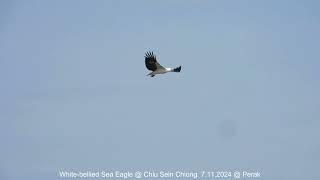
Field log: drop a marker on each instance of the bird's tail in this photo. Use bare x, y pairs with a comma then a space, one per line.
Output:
177, 69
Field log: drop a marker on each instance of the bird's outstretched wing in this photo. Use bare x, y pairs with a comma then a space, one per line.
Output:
151, 62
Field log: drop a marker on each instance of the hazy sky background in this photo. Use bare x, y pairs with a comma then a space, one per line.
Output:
75, 95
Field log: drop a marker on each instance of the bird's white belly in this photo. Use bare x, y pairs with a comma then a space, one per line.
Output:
160, 71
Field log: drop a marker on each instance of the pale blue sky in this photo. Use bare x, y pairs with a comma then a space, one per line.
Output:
75, 95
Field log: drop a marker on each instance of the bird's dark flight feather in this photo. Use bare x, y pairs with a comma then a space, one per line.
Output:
151, 61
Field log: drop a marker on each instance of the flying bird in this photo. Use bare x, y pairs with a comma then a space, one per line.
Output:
153, 65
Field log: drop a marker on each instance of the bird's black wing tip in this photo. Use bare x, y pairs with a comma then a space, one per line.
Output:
149, 54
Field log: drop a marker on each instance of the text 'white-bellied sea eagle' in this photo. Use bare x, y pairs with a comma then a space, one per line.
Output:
155, 67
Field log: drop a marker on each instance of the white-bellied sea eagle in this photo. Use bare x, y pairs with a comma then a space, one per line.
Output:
155, 67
